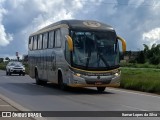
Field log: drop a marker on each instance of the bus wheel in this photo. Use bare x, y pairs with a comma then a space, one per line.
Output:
101, 89
60, 82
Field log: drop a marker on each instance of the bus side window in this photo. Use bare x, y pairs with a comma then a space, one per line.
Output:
51, 39
67, 53
35, 43
40, 41
30, 44
45, 40
57, 38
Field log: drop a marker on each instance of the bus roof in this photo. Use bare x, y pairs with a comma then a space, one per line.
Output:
77, 24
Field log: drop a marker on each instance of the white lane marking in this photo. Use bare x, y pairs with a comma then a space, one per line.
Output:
114, 89
135, 108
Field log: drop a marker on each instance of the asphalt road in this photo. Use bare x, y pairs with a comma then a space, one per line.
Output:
24, 91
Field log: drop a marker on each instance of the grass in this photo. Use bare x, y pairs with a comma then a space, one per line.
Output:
3, 66
135, 65
147, 80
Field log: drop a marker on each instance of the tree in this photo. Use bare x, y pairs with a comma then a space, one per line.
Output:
7, 58
1, 60
141, 57
152, 55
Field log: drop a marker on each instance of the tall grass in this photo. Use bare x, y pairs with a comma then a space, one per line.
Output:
147, 80
135, 65
3, 66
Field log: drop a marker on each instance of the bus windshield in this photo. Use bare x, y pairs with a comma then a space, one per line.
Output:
95, 49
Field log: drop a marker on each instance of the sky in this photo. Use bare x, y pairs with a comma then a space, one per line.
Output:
137, 21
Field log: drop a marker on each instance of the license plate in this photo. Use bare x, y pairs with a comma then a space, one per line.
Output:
98, 83
17, 70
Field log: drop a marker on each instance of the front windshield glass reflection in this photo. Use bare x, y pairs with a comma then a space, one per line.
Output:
95, 49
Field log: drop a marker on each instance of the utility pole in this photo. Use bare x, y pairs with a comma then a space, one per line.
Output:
17, 56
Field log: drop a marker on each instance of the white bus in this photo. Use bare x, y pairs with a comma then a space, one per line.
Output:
76, 53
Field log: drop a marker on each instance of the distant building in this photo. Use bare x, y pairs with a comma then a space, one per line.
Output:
130, 55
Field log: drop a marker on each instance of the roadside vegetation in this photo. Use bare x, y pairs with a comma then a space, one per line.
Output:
147, 80
3, 65
143, 72
138, 65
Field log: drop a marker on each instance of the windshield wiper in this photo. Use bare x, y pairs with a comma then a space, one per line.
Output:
102, 58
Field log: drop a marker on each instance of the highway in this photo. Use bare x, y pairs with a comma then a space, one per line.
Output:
24, 91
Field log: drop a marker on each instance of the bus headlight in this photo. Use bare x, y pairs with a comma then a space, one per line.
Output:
116, 74
77, 74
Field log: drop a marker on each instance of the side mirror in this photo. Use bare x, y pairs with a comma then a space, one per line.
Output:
123, 43
70, 42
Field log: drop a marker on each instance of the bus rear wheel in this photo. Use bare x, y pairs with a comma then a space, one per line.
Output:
38, 81
101, 89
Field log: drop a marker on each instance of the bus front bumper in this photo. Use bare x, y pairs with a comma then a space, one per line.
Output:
95, 81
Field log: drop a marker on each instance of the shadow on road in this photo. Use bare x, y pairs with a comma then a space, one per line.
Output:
48, 89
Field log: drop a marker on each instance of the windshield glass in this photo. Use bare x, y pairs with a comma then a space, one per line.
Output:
94, 50
15, 64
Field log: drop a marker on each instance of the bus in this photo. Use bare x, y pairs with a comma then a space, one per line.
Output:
76, 53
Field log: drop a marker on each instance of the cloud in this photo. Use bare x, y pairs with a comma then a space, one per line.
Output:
22, 17
132, 19
5, 38
151, 37
136, 3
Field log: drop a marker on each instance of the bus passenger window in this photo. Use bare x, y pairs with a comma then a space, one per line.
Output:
45, 40
57, 38
35, 43
30, 44
40, 41
51, 39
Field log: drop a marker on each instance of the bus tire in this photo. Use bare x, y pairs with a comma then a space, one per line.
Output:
101, 89
60, 82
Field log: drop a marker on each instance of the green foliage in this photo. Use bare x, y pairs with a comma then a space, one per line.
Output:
1, 60
135, 65
141, 57
3, 66
147, 80
152, 55
7, 58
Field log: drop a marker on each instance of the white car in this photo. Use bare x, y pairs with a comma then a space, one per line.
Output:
15, 68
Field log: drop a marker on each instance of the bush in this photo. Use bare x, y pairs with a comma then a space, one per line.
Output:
3, 66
